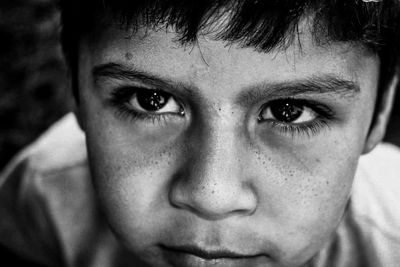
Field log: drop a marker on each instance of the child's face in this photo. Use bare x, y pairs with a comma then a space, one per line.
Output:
234, 157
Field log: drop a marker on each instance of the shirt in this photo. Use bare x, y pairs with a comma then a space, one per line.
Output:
49, 212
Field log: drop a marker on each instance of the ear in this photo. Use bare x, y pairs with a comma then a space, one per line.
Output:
379, 124
79, 116
77, 106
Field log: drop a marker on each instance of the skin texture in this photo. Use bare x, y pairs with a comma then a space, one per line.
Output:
217, 178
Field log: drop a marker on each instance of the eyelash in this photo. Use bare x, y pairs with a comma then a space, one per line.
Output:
309, 129
126, 113
120, 96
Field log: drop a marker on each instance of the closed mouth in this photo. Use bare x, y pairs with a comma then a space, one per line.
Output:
195, 256
207, 254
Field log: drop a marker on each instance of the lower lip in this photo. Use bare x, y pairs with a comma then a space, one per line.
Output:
184, 259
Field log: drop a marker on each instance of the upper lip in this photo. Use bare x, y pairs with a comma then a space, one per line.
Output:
207, 254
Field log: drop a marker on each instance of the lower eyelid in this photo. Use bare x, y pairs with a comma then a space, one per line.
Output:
126, 113
133, 116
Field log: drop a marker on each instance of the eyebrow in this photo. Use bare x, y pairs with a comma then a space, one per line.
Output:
318, 84
328, 84
120, 72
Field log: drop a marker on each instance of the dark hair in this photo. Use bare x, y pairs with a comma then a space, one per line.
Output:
262, 24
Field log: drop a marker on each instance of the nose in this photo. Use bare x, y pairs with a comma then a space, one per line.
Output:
212, 181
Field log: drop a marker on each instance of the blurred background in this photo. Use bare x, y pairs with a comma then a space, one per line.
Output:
33, 84
33, 90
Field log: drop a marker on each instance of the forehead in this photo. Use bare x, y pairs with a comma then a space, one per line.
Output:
158, 51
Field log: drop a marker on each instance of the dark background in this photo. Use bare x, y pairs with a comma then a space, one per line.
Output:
33, 90
33, 84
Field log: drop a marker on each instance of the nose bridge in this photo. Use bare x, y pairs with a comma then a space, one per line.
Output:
219, 149
216, 167
213, 183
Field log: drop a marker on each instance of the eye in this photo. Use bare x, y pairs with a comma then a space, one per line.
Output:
288, 111
148, 105
153, 101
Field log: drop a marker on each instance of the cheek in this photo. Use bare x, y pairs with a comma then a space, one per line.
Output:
131, 175
303, 191
133, 190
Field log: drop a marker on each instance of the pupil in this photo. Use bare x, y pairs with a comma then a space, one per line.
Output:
152, 100
286, 112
